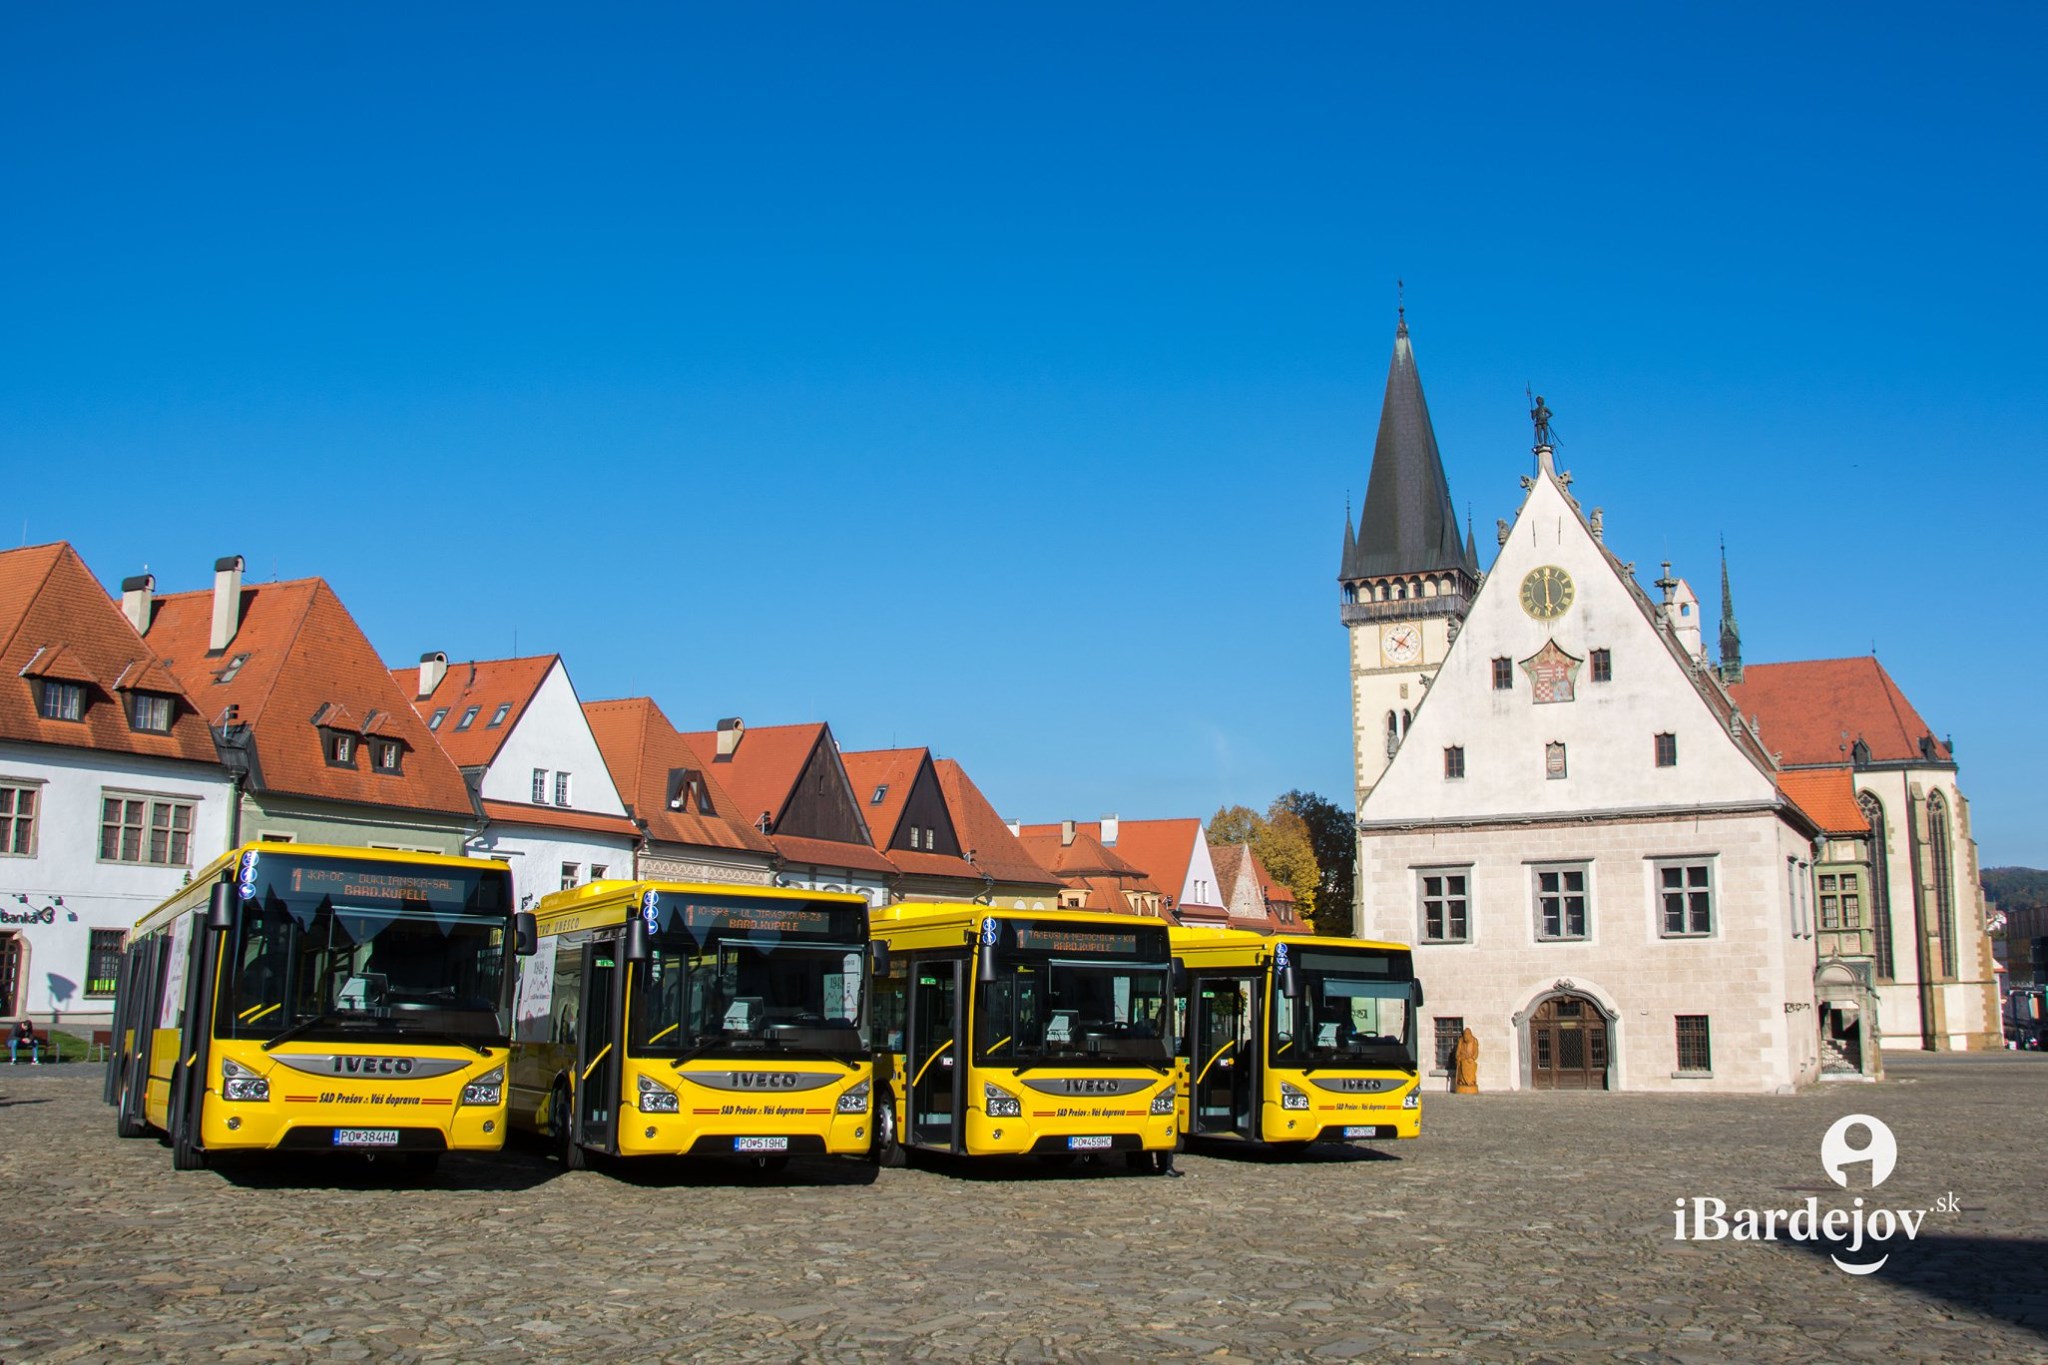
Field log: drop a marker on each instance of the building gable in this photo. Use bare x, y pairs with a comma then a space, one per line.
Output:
551, 735
1600, 738
820, 804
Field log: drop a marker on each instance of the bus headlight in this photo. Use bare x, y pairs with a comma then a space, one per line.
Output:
1412, 1100
1164, 1101
1000, 1103
656, 1098
487, 1089
1292, 1096
238, 1082
855, 1099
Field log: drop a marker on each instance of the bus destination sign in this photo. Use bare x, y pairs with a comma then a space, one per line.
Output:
356, 885
1061, 938
762, 918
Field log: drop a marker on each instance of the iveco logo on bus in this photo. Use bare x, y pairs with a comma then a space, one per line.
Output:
766, 1080
1089, 1085
373, 1066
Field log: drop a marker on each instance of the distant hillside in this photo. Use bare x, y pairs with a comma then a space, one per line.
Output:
2016, 888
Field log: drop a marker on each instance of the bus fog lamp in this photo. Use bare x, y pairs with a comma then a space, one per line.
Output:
656, 1098
1164, 1101
1292, 1096
855, 1099
487, 1089
238, 1082
1000, 1103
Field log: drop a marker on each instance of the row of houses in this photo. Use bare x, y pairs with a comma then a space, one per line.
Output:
141, 737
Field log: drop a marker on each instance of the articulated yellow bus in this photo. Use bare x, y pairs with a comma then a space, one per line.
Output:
1296, 1039
1007, 1032
304, 998
672, 1019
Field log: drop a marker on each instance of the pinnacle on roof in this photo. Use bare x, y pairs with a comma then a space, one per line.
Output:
1408, 525
1731, 634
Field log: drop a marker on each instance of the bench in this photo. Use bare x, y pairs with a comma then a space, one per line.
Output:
35, 1045
103, 1041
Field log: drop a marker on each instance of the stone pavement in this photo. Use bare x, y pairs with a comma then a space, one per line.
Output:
1520, 1227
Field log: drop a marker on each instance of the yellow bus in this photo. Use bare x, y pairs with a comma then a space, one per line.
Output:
1043, 1033
1293, 1039
296, 997
674, 1019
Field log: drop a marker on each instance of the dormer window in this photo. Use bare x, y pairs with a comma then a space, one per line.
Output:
341, 749
498, 716
386, 755
60, 700
440, 714
468, 718
151, 712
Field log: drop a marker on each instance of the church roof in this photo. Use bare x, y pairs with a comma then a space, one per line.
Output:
1408, 524
1813, 712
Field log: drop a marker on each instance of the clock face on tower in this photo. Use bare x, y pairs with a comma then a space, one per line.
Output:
1547, 592
1402, 644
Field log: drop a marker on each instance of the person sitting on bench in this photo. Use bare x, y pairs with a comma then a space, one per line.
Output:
24, 1034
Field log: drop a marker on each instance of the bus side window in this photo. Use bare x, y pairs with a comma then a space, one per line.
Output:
889, 1007
568, 986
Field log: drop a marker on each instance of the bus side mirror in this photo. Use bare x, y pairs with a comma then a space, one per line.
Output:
220, 908
525, 934
878, 959
1177, 976
1290, 982
1418, 993
636, 940
985, 959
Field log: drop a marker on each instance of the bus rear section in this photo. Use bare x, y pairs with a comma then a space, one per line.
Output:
313, 999
680, 1020
1296, 1039
1012, 1034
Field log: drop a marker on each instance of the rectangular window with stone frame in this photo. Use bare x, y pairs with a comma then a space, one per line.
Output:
143, 829
1563, 902
1685, 898
18, 819
1603, 666
1454, 762
1503, 675
1448, 1032
1446, 904
1667, 750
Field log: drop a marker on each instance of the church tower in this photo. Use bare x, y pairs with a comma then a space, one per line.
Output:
1407, 578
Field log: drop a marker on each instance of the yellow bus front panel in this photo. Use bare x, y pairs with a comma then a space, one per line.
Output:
410, 1099
1339, 1107
1123, 1111
815, 1108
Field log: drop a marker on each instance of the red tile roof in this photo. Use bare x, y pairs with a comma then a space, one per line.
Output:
641, 748
1828, 796
1813, 712
762, 772
983, 832
1162, 848
832, 853
302, 651
554, 817
57, 621
486, 685
893, 769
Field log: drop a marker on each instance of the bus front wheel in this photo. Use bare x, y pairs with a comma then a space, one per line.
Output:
567, 1148
888, 1152
186, 1155
128, 1122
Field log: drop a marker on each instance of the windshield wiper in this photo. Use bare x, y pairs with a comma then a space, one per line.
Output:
443, 1036
305, 1026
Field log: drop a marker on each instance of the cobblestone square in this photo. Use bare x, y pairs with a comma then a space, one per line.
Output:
1520, 1227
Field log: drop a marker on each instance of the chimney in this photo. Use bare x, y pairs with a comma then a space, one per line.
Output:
227, 603
730, 731
138, 595
433, 668
1016, 827
1066, 833
1109, 831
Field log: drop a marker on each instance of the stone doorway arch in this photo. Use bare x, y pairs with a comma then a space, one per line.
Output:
1567, 1042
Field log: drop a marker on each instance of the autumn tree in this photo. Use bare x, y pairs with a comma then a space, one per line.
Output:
1283, 843
1333, 838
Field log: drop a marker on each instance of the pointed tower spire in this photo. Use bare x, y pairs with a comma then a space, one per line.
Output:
1471, 543
1408, 524
1731, 634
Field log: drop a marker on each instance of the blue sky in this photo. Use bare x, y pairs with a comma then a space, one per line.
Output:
994, 378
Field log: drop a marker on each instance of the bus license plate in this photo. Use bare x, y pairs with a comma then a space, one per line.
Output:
1087, 1144
760, 1144
366, 1137
1364, 1132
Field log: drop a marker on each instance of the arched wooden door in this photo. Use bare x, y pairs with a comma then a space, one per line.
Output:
1568, 1045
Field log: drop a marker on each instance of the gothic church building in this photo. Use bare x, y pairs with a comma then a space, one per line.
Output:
1566, 810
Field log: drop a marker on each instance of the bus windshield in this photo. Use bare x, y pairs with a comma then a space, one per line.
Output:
747, 974
341, 948
1066, 994
1352, 1008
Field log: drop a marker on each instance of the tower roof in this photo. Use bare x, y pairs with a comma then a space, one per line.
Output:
1408, 525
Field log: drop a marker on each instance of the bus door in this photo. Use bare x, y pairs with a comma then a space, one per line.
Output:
932, 1052
597, 1057
1224, 1034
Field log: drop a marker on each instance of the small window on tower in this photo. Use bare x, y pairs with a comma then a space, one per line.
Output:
1503, 675
1603, 666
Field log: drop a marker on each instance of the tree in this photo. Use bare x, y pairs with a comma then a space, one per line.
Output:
1234, 825
1334, 839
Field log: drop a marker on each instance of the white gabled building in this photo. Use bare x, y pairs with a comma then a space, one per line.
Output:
1584, 840
518, 732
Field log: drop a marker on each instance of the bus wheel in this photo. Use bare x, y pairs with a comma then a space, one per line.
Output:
128, 1123
887, 1151
571, 1152
186, 1155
